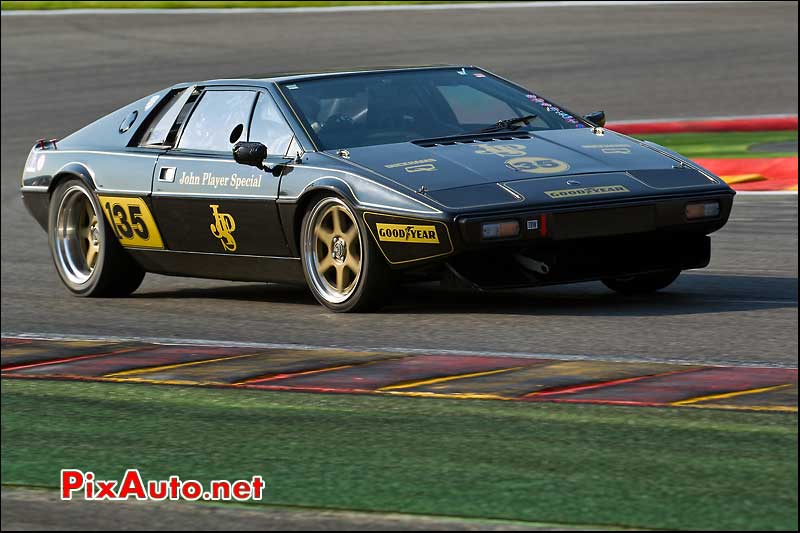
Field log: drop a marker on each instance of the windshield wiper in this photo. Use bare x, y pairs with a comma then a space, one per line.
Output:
508, 124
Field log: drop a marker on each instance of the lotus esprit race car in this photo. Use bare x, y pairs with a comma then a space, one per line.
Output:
351, 182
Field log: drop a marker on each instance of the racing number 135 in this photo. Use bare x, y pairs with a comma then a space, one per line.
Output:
131, 221
124, 228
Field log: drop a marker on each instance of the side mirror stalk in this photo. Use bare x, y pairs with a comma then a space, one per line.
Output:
598, 118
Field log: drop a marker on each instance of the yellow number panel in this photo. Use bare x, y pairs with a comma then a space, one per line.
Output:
131, 221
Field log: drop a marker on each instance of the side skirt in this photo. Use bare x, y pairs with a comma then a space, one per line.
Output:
220, 266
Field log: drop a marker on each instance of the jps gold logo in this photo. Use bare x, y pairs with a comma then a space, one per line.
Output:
503, 150
405, 233
223, 228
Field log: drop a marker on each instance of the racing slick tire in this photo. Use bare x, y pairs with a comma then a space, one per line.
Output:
642, 283
342, 265
86, 253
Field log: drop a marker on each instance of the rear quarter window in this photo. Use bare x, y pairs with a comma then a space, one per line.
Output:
161, 125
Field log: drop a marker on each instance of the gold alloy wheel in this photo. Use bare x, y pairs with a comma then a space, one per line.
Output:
89, 239
77, 239
334, 251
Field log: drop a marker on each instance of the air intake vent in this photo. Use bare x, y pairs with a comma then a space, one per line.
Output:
468, 139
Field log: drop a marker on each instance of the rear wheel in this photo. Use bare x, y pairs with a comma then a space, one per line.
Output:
87, 255
642, 283
342, 265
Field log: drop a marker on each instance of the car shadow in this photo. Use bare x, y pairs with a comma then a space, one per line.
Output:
693, 293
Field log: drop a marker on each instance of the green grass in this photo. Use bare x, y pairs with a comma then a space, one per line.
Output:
661, 468
184, 5
722, 145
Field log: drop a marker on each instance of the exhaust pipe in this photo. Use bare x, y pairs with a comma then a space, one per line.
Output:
532, 264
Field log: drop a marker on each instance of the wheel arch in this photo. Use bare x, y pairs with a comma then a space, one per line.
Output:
38, 202
322, 187
72, 170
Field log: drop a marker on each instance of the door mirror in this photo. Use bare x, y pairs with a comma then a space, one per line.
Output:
250, 153
598, 118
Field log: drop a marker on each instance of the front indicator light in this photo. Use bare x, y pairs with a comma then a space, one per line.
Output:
702, 210
500, 230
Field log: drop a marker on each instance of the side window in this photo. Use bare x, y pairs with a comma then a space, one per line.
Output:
161, 125
269, 128
472, 106
218, 121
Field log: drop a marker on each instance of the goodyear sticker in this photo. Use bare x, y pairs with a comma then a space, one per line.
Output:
404, 233
587, 191
404, 239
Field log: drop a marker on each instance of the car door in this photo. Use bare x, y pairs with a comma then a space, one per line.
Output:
204, 200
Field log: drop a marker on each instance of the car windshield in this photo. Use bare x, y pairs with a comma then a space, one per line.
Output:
376, 108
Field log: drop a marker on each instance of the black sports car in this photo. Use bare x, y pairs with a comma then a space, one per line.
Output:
351, 182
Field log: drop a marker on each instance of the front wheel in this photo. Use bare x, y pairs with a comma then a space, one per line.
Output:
87, 255
342, 265
642, 283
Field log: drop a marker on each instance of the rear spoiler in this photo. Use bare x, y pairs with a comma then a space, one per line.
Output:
42, 144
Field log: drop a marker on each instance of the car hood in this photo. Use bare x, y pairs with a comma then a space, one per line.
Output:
507, 158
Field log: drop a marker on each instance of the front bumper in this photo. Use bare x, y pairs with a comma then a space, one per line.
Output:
587, 242
636, 217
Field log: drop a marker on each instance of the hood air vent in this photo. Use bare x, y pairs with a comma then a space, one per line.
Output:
467, 139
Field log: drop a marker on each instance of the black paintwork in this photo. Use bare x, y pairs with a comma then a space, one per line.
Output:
258, 233
474, 179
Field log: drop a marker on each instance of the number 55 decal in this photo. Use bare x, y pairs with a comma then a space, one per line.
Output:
131, 221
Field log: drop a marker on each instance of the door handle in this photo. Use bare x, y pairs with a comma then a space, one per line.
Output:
166, 174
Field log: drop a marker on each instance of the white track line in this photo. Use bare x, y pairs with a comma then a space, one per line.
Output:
766, 193
744, 272
409, 351
351, 9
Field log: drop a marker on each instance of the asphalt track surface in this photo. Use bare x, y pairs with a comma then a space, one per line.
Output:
59, 73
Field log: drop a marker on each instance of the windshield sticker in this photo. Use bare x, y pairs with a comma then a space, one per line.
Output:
554, 109
421, 165
537, 165
291, 87
587, 191
503, 150
610, 148
479, 75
